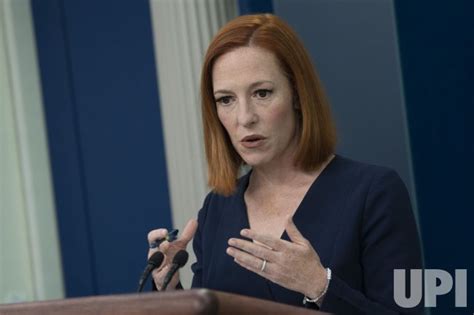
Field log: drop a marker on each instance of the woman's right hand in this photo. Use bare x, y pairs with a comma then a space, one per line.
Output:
169, 249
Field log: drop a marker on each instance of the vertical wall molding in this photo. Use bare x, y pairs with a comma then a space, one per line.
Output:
182, 31
30, 259
406, 130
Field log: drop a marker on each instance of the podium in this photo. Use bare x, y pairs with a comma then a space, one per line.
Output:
183, 302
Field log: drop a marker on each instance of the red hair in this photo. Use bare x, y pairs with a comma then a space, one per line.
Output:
316, 132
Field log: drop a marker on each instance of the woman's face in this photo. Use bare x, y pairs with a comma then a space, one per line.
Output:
254, 104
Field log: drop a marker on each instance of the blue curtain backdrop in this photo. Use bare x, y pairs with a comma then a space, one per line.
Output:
436, 41
104, 130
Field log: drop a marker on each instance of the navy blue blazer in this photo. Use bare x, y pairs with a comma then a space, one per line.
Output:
357, 217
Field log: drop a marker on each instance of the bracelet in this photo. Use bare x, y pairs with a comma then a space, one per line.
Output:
315, 300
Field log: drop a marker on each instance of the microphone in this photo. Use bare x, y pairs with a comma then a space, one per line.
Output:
155, 261
179, 260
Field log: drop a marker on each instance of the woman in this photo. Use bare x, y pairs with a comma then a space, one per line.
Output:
304, 223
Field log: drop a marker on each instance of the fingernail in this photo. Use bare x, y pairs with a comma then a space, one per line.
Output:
231, 241
244, 232
229, 250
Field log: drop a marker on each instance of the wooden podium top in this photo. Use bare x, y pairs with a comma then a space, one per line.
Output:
183, 302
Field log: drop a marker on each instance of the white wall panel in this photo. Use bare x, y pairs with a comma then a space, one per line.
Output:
182, 32
30, 267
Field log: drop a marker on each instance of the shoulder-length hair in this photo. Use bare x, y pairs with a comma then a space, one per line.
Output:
316, 131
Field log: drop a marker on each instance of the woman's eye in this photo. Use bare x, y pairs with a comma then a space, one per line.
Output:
224, 100
263, 93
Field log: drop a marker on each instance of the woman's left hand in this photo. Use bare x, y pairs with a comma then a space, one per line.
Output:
294, 265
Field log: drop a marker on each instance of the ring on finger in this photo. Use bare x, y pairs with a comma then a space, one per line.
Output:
264, 264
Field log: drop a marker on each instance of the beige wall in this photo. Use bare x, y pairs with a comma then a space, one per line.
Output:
30, 267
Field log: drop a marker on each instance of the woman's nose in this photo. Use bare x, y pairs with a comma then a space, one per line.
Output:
246, 115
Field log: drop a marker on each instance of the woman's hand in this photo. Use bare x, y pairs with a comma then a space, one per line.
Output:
169, 249
294, 265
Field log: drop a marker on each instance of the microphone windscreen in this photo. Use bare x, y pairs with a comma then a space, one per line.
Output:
156, 259
181, 258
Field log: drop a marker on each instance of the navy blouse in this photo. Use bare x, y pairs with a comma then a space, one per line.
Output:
357, 217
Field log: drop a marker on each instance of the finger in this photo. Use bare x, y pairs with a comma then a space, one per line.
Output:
254, 264
270, 241
246, 259
157, 234
164, 246
293, 232
188, 233
253, 269
153, 236
253, 248
159, 276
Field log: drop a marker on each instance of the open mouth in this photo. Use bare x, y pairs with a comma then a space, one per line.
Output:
252, 141
253, 138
